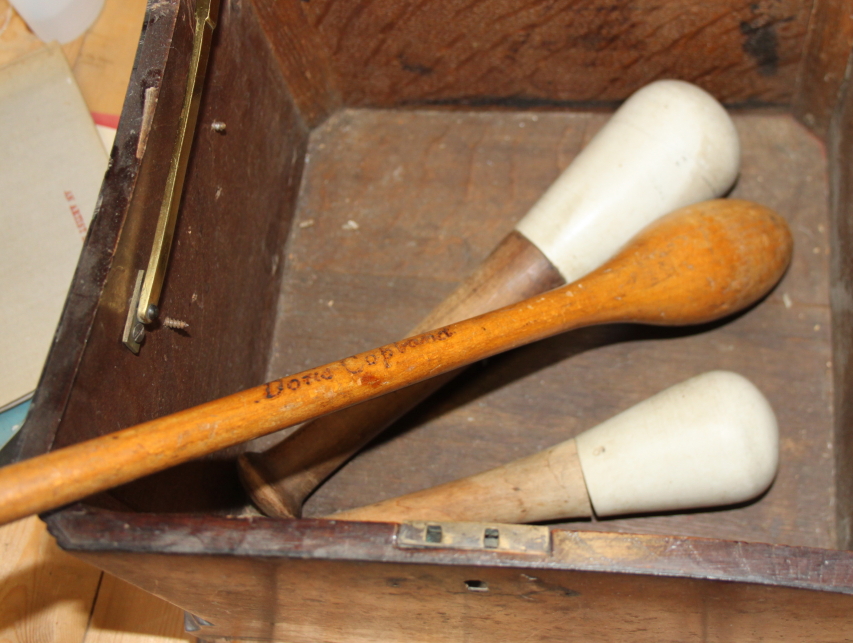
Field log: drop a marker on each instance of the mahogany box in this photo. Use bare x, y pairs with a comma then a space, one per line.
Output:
372, 153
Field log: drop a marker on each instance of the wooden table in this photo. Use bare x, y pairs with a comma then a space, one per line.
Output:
47, 595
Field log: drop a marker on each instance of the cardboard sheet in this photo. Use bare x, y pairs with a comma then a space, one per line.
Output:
52, 162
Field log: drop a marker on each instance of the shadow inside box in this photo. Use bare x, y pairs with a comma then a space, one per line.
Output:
207, 486
487, 376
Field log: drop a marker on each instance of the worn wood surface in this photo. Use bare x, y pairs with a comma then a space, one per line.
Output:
280, 479
597, 587
224, 270
501, 52
431, 192
545, 486
841, 276
343, 602
824, 62
302, 57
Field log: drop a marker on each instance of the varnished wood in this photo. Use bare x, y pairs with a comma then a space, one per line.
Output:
125, 613
302, 58
364, 587
281, 478
694, 266
841, 275
545, 486
824, 64
499, 52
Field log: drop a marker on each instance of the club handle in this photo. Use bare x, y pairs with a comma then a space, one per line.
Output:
544, 486
669, 145
709, 441
694, 266
279, 479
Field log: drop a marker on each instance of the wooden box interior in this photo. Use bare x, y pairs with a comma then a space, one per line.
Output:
374, 154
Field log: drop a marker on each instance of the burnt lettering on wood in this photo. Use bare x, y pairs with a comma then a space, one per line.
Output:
356, 364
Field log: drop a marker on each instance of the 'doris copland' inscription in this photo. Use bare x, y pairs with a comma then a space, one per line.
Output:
276, 388
382, 357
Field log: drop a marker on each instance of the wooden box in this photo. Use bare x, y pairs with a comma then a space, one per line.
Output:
373, 154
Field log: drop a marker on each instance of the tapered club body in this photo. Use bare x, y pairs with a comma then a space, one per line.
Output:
670, 145
712, 440
693, 266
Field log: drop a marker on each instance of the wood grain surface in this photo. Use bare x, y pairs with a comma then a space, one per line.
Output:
280, 479
841, 276
545, 486
431, 192
302, 58
824, 63
501, 52
598, 587
50, 596
357, 602
46, 594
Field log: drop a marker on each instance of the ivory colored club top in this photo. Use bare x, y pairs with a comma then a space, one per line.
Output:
711, 440
669, 145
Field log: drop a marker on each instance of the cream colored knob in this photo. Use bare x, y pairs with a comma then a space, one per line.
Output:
712, 440
669, 145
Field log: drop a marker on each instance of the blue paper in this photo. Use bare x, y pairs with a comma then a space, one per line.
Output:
11, 421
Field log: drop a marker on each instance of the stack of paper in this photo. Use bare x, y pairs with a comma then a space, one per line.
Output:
52, 162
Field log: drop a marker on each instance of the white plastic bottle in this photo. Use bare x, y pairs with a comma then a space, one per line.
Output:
60, 20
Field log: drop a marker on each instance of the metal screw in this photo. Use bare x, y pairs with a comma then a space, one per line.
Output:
152, 313
218, 126
175, 324
138, 332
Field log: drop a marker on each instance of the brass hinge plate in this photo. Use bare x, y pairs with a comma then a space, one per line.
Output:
516, 539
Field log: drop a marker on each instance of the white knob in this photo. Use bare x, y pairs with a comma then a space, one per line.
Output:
712, 440
669, 145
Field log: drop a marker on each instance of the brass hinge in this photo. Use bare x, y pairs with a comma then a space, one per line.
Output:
145, 300
516, 539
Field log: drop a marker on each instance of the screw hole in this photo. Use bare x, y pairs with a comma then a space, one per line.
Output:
477, 585
491, 538
433, 533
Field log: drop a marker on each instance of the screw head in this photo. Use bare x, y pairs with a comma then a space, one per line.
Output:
152, 313
138, 332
